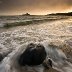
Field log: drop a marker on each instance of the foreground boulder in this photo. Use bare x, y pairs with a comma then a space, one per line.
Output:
34, 55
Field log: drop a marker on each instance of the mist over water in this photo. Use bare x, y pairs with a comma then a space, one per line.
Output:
56, 36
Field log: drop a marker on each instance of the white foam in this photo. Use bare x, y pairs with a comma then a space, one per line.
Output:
43, 33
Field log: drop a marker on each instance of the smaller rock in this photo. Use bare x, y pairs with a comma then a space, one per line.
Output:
1, 57
47, 64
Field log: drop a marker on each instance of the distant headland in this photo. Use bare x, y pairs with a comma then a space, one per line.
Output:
27, 14
62, 14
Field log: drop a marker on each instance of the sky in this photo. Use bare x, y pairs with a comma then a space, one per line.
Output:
34, 7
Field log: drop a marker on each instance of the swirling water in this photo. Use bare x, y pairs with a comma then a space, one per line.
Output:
56, 36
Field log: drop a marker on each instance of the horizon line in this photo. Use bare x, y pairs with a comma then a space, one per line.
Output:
31, 14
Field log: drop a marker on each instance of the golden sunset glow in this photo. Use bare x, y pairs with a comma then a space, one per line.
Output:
38, 7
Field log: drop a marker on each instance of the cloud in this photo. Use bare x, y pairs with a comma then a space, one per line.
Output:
0, 2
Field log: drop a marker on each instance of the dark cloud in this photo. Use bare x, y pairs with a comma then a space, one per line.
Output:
13, 6
0, 2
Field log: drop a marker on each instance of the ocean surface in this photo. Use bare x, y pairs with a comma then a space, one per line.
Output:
56, 36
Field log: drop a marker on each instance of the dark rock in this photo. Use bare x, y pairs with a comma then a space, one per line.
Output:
47, 64
1, 57
34, 54
50, 62
4, 54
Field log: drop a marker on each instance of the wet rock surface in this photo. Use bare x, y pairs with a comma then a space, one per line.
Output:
1, 57
34, 55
